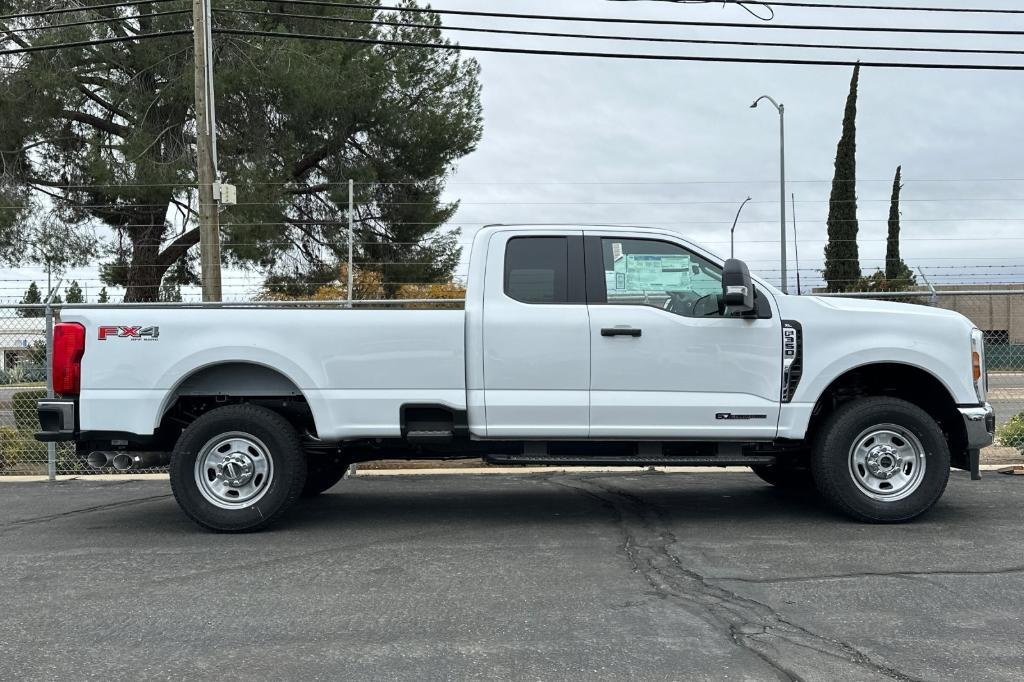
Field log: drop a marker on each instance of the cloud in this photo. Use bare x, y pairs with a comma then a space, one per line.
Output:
674, 143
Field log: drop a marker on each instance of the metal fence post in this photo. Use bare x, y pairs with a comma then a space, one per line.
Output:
933, 300
51, 448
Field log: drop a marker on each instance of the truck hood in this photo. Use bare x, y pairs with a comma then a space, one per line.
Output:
867, 305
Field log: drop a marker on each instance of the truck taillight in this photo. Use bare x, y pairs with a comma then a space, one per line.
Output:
68, 347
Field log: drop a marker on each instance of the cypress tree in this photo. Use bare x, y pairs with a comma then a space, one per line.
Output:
32, 295
842, 261
896, 271
74, 293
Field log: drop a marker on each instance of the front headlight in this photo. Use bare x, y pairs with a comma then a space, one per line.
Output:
978, 372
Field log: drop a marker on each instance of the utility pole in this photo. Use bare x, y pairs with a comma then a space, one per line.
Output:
206, 153
351, 237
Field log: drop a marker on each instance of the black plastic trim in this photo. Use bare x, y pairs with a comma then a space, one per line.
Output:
791, 375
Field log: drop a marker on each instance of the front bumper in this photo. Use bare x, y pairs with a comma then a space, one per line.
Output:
980, 425
56, 420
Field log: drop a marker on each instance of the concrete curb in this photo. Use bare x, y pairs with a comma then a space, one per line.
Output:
471, 471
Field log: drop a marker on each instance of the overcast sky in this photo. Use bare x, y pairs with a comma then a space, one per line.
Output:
676, 144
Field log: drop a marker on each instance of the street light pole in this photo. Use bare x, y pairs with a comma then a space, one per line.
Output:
796, 247
732, 232
782, 182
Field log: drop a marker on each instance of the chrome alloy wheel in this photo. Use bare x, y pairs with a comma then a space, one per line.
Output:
234, 470
887, 462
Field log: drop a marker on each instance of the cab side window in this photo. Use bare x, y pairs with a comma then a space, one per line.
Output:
537, 269
661, 274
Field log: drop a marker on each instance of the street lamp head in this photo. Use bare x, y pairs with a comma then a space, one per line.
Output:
754, 105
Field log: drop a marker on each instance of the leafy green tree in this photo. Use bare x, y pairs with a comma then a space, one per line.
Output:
32, 295
103, 297
107, 132
170, 293
896, 271
73, 294
842, 260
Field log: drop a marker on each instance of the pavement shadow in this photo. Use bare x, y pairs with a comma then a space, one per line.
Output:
676, 497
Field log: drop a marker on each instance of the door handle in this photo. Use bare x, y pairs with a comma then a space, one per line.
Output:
621, 331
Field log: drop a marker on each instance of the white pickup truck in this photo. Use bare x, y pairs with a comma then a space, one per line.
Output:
576, 345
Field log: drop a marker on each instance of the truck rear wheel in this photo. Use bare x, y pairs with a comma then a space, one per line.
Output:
881, 460
237, 468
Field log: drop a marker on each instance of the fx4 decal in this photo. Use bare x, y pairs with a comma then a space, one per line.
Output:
133, 333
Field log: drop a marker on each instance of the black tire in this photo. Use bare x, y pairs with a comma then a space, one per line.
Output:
276, 442
834, 472
323, 473
785, 476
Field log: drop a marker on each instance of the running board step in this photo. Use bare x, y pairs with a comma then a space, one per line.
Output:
425, 437
634, 461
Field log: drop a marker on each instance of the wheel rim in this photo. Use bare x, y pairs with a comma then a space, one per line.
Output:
887, 462
234, 470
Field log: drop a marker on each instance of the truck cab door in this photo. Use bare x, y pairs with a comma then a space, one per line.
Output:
666, 361
536, 336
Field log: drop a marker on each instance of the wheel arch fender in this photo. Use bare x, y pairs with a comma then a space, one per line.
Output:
812, 390
238, 371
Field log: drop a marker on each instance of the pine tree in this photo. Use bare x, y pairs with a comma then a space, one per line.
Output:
32, 295
74, 293
108, 132
103, 297
842, 260
896, 271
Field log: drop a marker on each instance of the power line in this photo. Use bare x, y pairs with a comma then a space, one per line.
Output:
651, 22
591, 36
90, 22
99, 41
828, 5
620, 55
86, 8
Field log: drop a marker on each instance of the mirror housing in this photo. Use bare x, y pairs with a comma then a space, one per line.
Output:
737, 287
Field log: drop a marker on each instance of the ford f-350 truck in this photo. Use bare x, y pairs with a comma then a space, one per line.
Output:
576, 345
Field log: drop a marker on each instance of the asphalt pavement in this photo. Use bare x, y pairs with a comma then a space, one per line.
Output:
554, 576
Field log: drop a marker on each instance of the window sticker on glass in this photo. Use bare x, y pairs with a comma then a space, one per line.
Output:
643, 272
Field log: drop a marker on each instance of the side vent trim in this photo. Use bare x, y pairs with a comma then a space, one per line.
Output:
792, 358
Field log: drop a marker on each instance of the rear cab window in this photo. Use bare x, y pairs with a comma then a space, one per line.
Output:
544, 270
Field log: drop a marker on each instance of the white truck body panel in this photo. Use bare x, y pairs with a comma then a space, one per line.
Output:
536, 359
354, 367
522, 371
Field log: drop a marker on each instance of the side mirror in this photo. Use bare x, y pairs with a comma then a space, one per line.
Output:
737, 288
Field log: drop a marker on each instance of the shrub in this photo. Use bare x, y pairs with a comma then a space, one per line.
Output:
19, 448
1011, 434
23, 404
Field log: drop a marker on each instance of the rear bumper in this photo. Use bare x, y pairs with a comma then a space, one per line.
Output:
57, 420
980, 425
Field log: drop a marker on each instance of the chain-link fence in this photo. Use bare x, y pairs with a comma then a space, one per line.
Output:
23, 342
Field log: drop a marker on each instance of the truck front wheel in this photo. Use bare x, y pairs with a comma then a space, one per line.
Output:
237, 468
880, 460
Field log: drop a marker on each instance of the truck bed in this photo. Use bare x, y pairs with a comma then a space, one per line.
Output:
354, 367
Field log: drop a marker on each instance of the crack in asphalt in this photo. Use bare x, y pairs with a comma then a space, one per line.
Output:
870, 574
751, 625
82, 510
